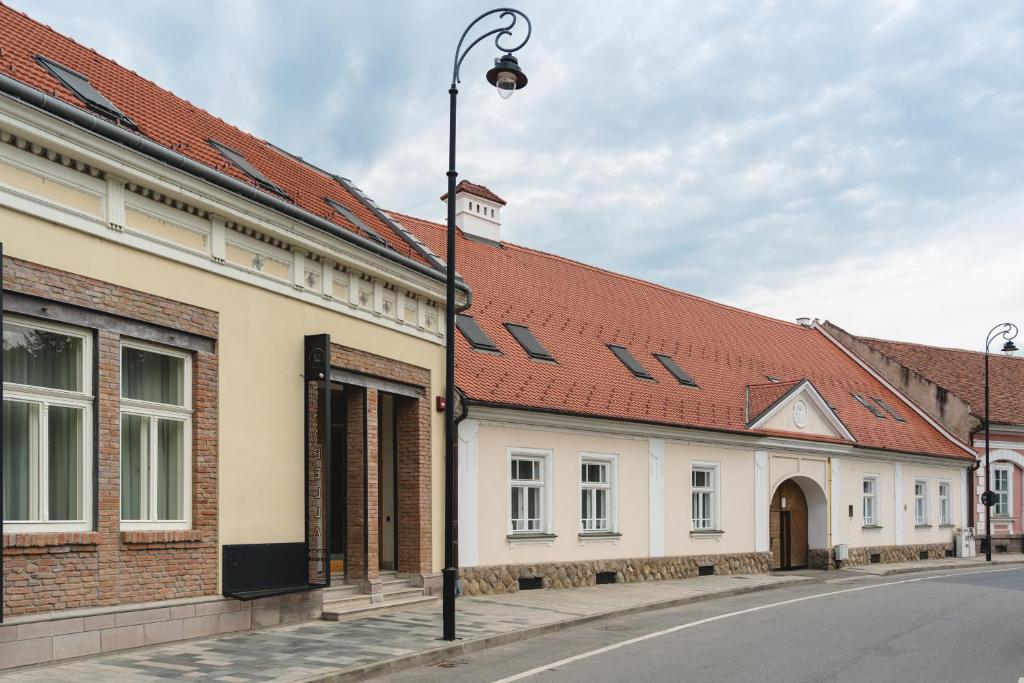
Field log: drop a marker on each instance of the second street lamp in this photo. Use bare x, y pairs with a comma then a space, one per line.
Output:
507, 77
1007, 331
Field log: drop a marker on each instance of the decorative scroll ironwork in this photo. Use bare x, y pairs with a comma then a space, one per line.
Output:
318, 452
501, 32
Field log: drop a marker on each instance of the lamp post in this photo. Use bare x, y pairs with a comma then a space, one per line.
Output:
1007, 331
507, 77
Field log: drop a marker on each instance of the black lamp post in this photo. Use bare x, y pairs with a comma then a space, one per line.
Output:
507, 77
1007, 331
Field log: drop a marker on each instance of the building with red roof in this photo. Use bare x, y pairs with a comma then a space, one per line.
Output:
618, 419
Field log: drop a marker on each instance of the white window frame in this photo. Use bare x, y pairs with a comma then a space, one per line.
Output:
160, 411
923, 500
715, 523
46, 397
1003, 467
875, 519
946, 516
544, 457
611, 461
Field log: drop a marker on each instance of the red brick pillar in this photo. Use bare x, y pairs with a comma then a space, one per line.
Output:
108, 489
414, 492
361, 551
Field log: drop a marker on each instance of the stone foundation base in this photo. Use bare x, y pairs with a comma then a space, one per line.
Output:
505, 578
55, 636
1002, 544
896, 553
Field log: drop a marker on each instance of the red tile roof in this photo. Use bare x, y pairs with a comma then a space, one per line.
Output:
763, 396
477, 191
963, 373
575, 310
176, 123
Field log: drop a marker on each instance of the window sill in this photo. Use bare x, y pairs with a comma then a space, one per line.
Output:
160, 537
531, 539
706, 533
922, 526
872, 527
48, 539
600, 537
947, 526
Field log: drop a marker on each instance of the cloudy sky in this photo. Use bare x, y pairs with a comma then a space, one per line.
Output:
855, 161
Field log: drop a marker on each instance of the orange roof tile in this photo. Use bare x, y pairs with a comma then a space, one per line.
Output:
476, 190
575, 310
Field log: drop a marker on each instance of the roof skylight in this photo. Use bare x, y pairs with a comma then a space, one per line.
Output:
355, 220
80, 86
676, 371
530, 344
870, 406
889, 409
239, 161
623, 354
474, 334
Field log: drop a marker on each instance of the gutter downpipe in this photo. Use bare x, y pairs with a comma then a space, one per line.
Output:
139, 143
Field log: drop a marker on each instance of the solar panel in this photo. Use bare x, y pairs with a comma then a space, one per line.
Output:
239, 161
889, 409
84, 90
530, 344
867, 404
677, 372
474, 334
623, 354
355, 220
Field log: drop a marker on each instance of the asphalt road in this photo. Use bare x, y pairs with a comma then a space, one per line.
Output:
943, 626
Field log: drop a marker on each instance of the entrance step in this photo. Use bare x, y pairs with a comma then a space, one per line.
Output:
340, 590
339, 610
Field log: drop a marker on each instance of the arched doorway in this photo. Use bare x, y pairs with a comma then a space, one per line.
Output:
798, 521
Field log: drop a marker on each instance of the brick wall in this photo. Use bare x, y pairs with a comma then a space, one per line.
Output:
53, 571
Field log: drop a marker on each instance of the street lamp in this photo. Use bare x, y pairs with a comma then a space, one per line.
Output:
1007, 331
507, 77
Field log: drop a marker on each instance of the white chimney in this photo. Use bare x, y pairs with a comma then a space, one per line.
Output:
477, 210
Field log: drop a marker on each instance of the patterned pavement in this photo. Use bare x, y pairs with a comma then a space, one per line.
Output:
306, 651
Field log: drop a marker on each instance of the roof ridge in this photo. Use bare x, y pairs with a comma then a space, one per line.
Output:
632, 278
938, 348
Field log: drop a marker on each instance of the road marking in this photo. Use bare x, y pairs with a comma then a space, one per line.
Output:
729, 615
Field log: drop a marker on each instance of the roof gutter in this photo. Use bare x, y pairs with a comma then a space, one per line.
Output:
143, 145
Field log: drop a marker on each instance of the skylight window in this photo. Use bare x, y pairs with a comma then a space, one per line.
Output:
355, 220
239, 161
889, 409
474, 334
530, 344
676, 371
870, 406
80, 86
623, 354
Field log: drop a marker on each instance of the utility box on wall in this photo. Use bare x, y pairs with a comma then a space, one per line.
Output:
965, 546
841, 552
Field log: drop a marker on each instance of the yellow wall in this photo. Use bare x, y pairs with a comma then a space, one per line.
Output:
260, 354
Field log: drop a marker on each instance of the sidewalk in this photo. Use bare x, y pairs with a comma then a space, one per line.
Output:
388, 641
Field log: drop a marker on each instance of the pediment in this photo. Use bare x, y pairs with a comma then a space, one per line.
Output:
800, 409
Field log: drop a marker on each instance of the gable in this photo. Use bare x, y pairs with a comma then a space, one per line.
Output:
802, 410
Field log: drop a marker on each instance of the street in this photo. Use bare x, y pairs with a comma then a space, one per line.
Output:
943, 626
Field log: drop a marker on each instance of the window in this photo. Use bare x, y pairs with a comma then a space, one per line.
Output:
920, 502
84, 90
945, 507
704, 491
623, 354
676, 371
889, 409
356, 222
528, 494
530, 343
47, 436
1001, 487
155, 437
597, 494
870, 501
239, 161
474, 334
867, 404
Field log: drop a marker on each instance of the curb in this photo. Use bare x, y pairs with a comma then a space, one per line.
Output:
945, 566
431, 656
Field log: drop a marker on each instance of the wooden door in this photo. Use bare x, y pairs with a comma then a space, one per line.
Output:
788, 527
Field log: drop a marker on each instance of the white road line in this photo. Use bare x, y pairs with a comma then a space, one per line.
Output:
701, 622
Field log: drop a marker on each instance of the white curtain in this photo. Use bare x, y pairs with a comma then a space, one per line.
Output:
41, 358
134, 454
64, 466
20, 426
169, 469
153, 377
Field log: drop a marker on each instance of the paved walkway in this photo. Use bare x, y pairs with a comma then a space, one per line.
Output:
929, 565
314, 649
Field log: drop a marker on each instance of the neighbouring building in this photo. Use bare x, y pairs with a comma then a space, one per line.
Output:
949, 384
616, 430
220, 365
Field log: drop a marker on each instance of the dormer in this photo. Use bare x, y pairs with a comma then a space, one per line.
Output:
477, 210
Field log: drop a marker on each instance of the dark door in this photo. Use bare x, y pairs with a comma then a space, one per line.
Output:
788, 526
785, 539
339, 480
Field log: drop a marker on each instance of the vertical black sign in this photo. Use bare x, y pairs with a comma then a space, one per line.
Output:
317, 395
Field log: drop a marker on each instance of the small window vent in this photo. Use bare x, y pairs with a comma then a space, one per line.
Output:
531, 583
923, 555
889, 409
605, 577
876, 558
632, 364
706, 570
870, 406
474, 334
950, 552
530, 343
676, 371
238, 160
